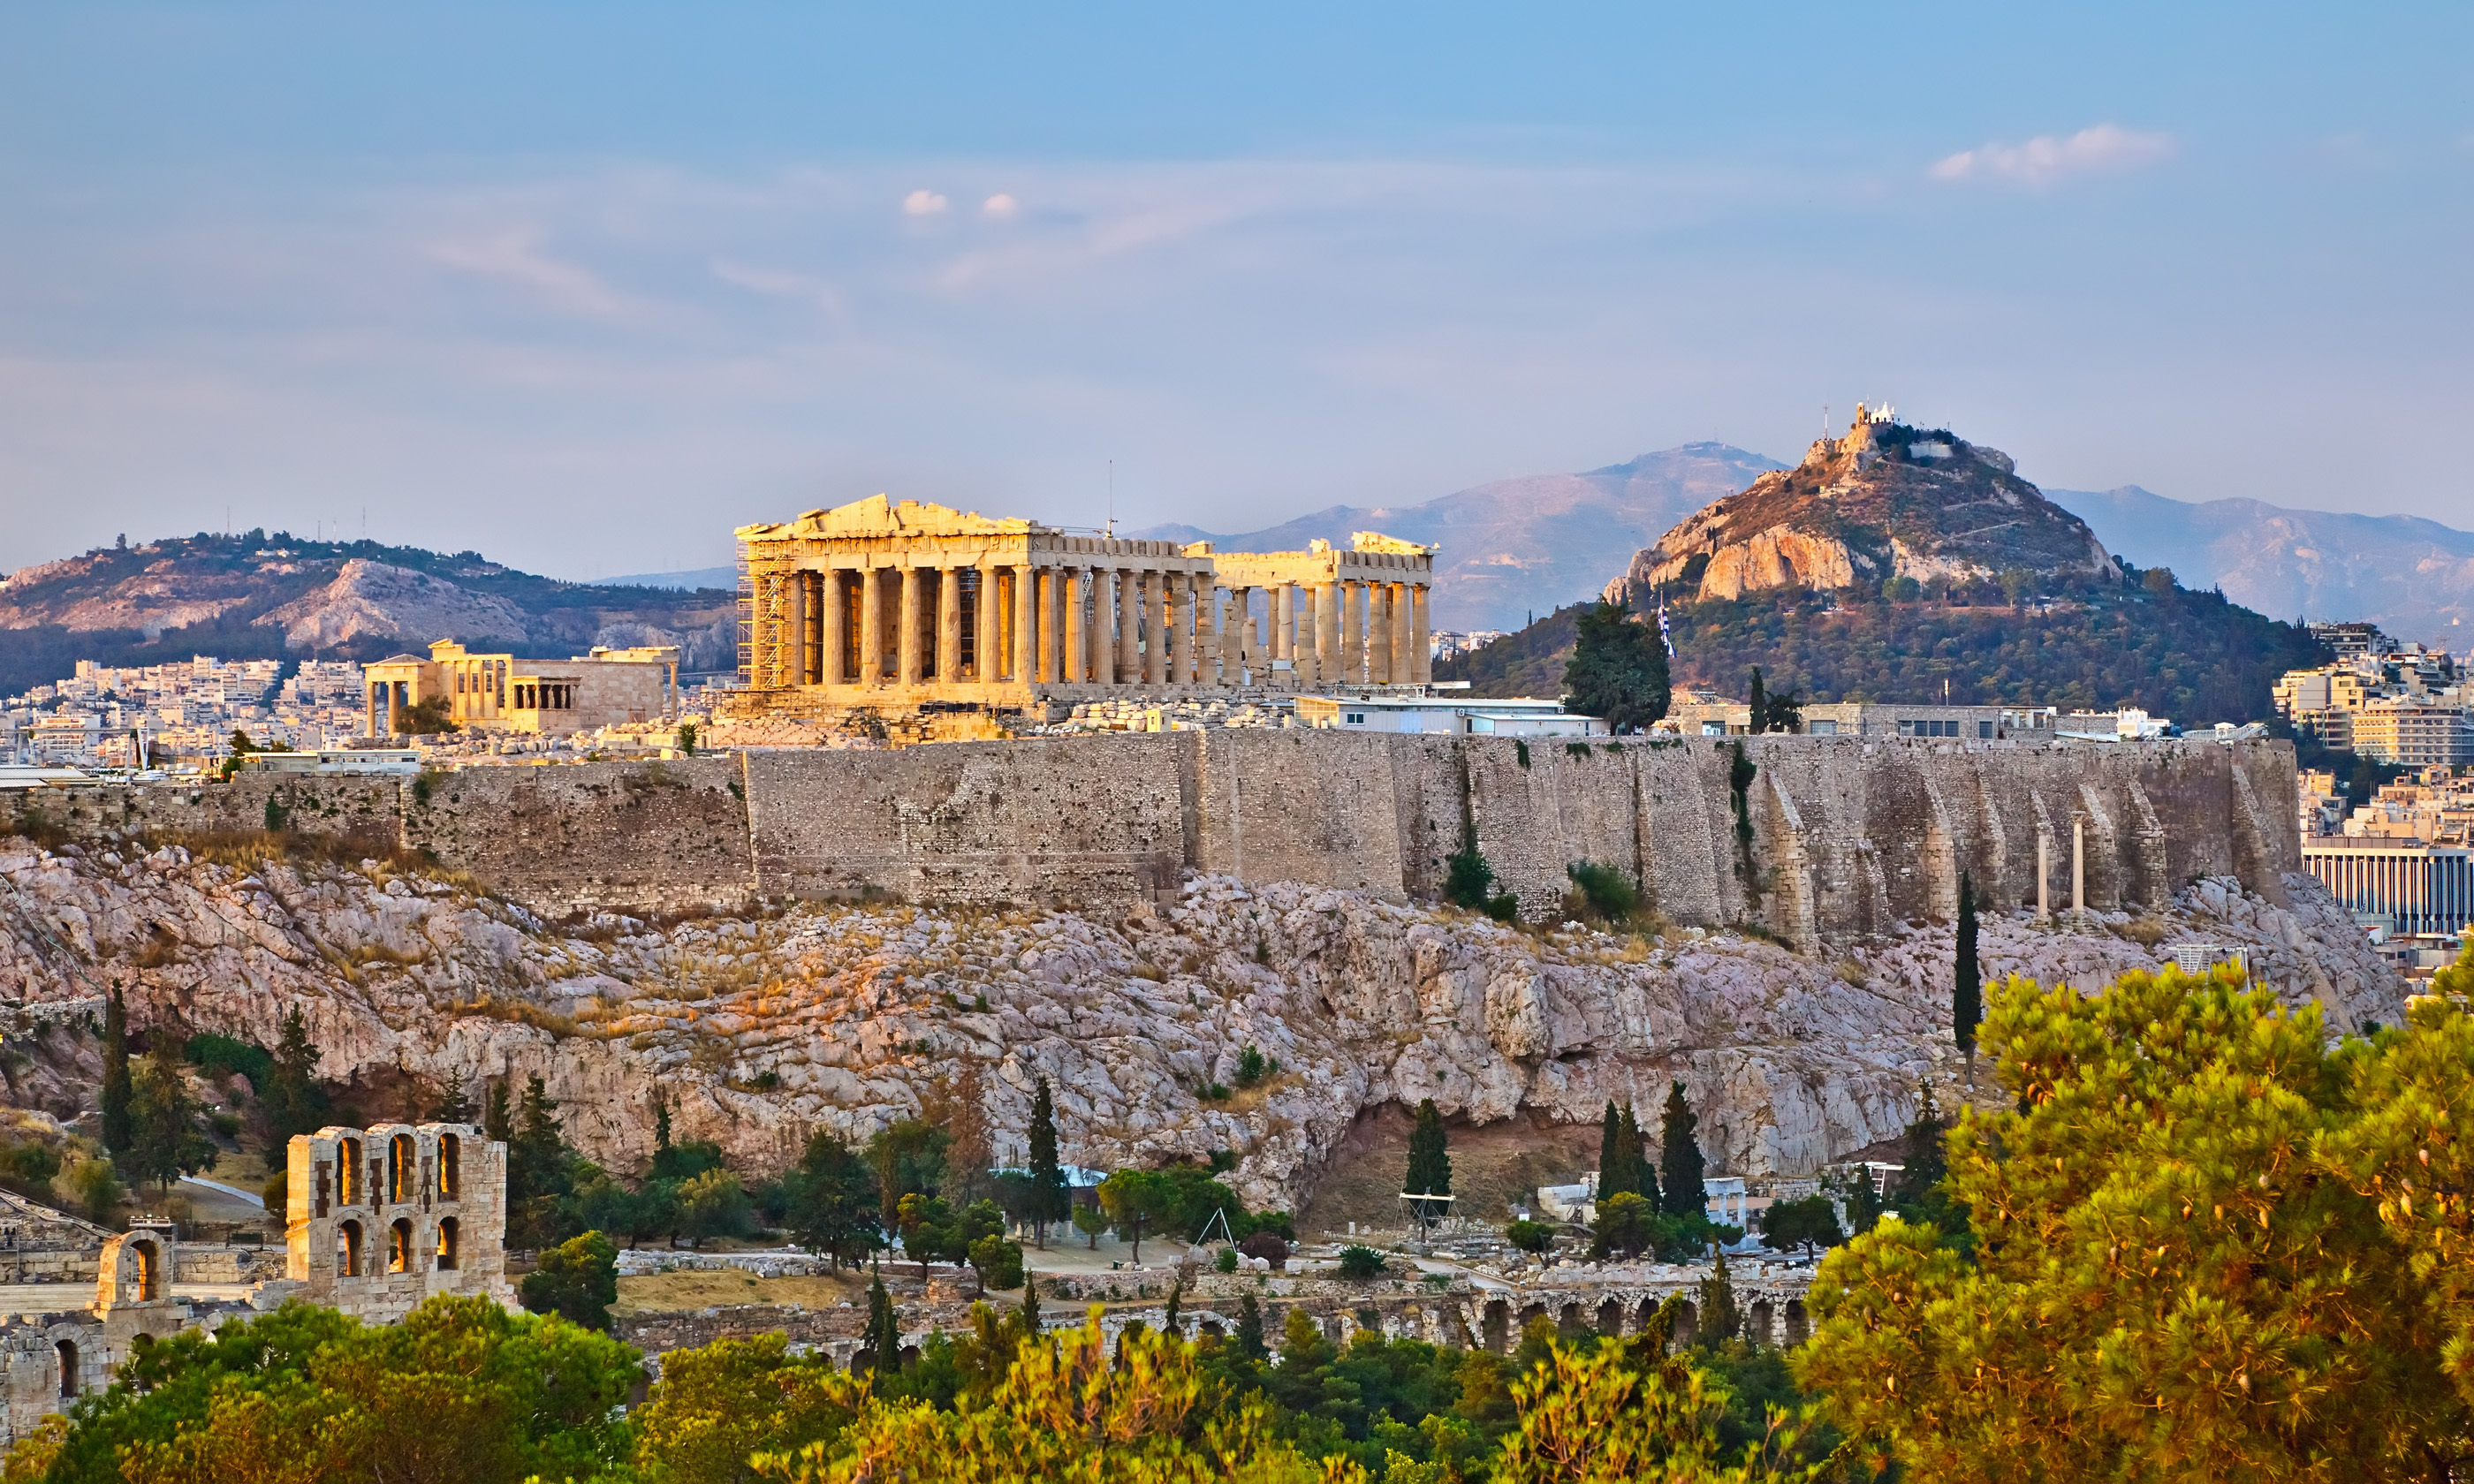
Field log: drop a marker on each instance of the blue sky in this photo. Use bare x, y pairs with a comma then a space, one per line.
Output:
583, 286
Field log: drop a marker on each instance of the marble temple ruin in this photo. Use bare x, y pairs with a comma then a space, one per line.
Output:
884, 605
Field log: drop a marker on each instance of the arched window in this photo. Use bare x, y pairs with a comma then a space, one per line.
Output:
402, 1184
148, 1273
446, 1244
348, 1250
68, 1368
451, 1166
400, 1246
348, 1174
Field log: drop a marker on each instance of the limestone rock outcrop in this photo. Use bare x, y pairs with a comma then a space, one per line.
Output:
761, 1028
1886, 500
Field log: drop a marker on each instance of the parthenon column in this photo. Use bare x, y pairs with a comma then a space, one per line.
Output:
1154, 629
1326, 627
1129, 616
1077, 634
1179, 611
1378, 634
1052, 613
871, 625
1422, 641
1352, 633
905, 644
1026, 624
949, 625
986, 661
1284, 608
1404, 657
836, 627
2078, 866
1104, 627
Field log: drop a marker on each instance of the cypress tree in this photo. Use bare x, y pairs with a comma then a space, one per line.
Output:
117, 1130
1760, 701
881, 1344
1967, 985
499, 1120
1430, 1161
1614, 1161
1644, 1175
292, 1101
1048, 1194
661, 1126
1681, 1194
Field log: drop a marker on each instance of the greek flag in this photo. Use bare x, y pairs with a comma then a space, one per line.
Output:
1664, 637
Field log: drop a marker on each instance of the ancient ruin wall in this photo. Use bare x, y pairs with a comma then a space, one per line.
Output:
1849, 836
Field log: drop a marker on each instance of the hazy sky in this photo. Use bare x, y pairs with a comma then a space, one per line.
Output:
582, 286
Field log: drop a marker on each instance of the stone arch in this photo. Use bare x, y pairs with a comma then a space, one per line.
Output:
347, 1172
148, 1277
399, 1245
1495, 1326
1569, 1324
403, 1182
1687, 1322
1799, 1327
348, 1249
446, 1244
68, 1354
1645, 1316
911, 1354
1610, 1318
1530, 1311
1757, 1326
451, 1166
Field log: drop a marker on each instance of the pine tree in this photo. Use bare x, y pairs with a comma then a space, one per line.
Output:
1614, 1161
454, 1106
1048, 1194
1681, 1191
293, 1104
164, 1143
498, 1121
1719, 1319
1250, 1327
661, 1126
1967, 985
1618, 670
115, 1073
881, 1344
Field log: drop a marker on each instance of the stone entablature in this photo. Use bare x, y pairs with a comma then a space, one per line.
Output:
880, 604
379, 1219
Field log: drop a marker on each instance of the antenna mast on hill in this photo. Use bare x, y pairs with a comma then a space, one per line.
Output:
1112, 497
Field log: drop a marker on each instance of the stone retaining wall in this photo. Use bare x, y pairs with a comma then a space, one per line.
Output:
1848, 835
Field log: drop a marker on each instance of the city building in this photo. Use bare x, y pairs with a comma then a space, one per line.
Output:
1701, 714
2403, 862
2414, 732
2407, 705
1446, 716
502, 693
878, 605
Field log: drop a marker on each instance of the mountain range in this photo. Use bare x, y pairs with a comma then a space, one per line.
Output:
1515, 548
2415, 578
257, 596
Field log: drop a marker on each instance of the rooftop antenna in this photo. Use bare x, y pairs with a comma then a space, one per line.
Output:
1112, 498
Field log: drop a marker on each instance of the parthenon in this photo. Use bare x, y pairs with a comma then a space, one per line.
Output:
881, 604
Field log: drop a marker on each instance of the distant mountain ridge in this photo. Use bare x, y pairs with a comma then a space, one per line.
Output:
2415, 578
1534, 542
260, 597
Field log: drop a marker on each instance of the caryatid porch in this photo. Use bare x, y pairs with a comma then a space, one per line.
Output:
877, 603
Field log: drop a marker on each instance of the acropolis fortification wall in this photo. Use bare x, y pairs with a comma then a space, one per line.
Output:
1848, 835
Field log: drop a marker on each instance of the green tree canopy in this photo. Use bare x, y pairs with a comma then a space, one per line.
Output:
833, 1204
2210, 1242
577, 1280
1618, 670
1681, 1192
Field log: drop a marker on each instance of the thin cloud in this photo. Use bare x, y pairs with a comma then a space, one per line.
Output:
2103, 149
776, 285
515, 257
924, 203
1001, 204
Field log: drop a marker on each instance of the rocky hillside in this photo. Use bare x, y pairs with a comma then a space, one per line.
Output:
2414, 578
1886, 501
759, 1029
260, 596
1519, 546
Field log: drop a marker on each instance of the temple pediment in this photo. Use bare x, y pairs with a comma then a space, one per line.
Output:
879, 516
